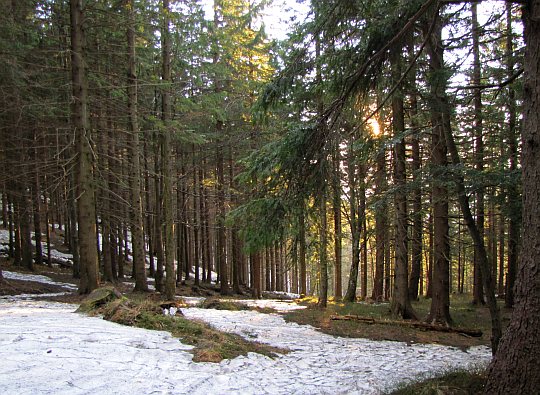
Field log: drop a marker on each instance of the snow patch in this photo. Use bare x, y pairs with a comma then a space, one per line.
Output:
46, 348
38, 278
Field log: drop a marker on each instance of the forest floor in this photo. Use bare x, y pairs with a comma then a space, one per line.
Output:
463, 312
47, 349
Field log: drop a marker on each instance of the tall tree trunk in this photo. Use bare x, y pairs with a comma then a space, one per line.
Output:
273, 277
279, 267
25, 209
36, 198
196, 221
46, 198
381, 223
105, 205
203, 225
236, 249
255, 258
17, 251
480, 249
355, 224
417, 231
401, 304
137, 229
478, 290
71, 229
220, 222
158, 230
323, 256
516, 366
302, 252
364, 246
4, 208
513, 195
86, 207
149, 231
166, 163
36, 201
440, 302
11, 226
336, 205
429, 274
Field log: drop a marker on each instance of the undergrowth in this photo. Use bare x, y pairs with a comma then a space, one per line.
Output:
456, 382
464, 315
233, 305
210, 345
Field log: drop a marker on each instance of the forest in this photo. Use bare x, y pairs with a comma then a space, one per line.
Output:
382, 152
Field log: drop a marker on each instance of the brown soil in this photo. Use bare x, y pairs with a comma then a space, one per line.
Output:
17, 287
473, 318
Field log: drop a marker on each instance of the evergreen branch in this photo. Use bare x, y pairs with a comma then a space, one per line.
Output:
358, 77
490, 86
400, 81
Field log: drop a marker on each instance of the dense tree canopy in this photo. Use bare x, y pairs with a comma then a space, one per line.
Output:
376, 149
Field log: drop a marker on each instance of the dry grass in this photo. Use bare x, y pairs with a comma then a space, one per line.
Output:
457, 382
210, 345
464, 314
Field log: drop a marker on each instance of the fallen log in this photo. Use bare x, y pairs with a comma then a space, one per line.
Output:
56, 261
412, 324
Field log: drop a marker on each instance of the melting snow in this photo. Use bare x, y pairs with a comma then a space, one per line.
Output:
65, 258
37, 278
281, 306
46, 348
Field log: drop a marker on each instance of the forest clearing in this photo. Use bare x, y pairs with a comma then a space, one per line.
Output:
48, 348
312, 196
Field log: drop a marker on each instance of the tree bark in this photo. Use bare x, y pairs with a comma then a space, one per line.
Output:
478, 290
355, 225
323, 256
513, 195
86, 207
381, 223
336, 206
302, 252
25, 230
168, 216
440, 303
401, 304
36, 198
516, 366
220, 221
136, 209
417, 231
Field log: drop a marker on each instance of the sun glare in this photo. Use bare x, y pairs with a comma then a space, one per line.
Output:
375, 127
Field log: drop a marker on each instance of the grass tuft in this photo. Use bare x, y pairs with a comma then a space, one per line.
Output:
463, 313
219, 304
456, 382
210, 345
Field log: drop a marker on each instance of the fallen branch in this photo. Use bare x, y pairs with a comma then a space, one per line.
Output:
56, 261
412, 324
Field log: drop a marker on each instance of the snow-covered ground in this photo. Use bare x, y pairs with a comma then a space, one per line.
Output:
281, 306
37, 278
46, 348
56, 255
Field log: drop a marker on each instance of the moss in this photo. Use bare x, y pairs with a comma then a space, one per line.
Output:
457, 382
210, 345
232, 305
464, 314
99, 297
223, 305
